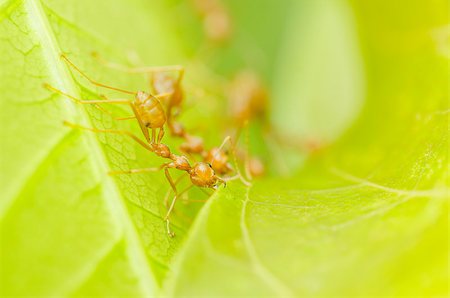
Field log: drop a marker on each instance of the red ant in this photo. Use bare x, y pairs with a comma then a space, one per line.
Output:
216, 19
149, 113
248, 101
146, 107
201, 174
163, 84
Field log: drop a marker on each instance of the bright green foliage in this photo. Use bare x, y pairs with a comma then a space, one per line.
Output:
67, 227
366, 216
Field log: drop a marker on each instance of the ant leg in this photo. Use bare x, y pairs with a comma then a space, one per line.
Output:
102, 109
187, 201
180, 75
239, 129
233, 156
71, 64
166, 198
153, 135
172, 205
163, 95
247, 152
81, 101
169, 178
134, 171
125, 118
174, 188
160, 134
145, 69
113, 131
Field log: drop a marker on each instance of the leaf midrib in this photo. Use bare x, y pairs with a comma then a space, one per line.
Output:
115, 201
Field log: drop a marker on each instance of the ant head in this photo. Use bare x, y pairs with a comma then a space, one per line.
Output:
203, 175
161, 150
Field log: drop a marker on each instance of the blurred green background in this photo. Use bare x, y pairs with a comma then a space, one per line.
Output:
366, 214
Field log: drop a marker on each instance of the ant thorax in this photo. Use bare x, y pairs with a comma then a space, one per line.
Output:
181, 163
203, 175
150, 110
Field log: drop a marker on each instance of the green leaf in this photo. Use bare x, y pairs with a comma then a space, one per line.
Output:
66, 226
369, 216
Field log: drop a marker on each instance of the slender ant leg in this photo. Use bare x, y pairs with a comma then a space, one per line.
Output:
172, 205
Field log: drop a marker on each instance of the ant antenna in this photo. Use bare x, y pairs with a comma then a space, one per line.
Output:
233, 153
247, 151
92, 81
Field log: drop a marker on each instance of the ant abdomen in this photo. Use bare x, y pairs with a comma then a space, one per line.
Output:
150, 110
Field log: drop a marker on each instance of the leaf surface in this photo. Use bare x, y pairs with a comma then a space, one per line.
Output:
367, 216
67, 227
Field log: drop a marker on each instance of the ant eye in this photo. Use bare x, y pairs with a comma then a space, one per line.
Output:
209, 165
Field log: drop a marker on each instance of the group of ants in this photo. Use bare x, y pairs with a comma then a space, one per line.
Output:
159, 109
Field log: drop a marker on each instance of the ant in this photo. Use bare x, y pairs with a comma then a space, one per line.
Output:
149, 114
146, 107
163, 84
248, 98
201, 174
216, 19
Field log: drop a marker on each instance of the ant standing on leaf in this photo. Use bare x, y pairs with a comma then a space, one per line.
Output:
169, 87
201, 174
162, 83
149, 113
146, 107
